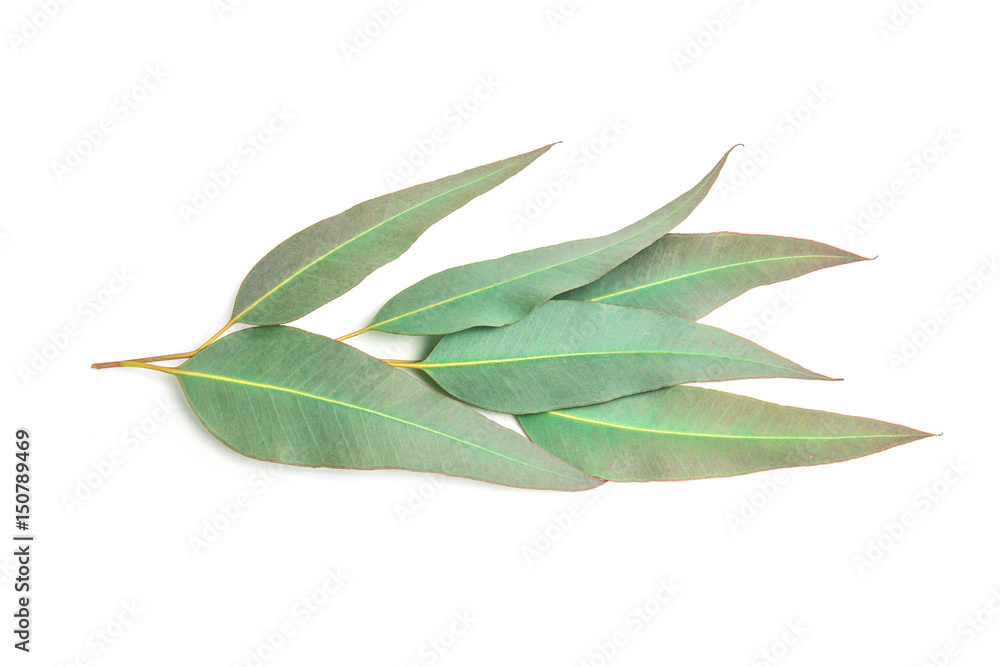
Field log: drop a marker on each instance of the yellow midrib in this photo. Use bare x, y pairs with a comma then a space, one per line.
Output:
710, 270
296, 392
481, 362
640, 429
305, 268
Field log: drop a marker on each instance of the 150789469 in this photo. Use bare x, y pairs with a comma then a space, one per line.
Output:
22, 541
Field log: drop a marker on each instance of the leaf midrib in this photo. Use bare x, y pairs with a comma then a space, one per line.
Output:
721, 267
481, 362
640, 429
308, 266
296, 392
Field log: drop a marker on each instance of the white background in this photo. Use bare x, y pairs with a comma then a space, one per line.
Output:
869, 95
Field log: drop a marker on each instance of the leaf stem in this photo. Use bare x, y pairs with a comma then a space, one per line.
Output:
398, 363
165, 357
152, 367
162, 357
215, 336
353, 334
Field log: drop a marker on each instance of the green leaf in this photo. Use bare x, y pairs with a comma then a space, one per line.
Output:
690, 275
501, 291
693, 433
284, 395
570, 353
330, 257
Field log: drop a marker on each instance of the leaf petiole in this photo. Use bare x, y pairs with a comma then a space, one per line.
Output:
165, 357
398, 363
152, 367
353, 334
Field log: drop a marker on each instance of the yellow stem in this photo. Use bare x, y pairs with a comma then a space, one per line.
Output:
139, 364
165, 357
353, 334
215, 337
396, 363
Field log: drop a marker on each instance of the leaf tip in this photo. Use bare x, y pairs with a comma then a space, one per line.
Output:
813, 375
923, 435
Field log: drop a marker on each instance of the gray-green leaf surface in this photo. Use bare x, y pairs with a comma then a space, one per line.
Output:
571, 353
501, 291
691, 433
690, 275
330, 257
284, 395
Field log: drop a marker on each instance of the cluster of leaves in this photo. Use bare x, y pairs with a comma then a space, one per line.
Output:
588, 342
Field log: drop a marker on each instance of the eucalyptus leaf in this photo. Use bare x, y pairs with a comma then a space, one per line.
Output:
692, 433
284, 395
501, 291
330, 257
690, 275
571, 353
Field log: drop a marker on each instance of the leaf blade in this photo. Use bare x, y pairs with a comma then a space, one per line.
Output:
284, 395
683, 433
690, 275
501, 291
562, 354
328, 258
